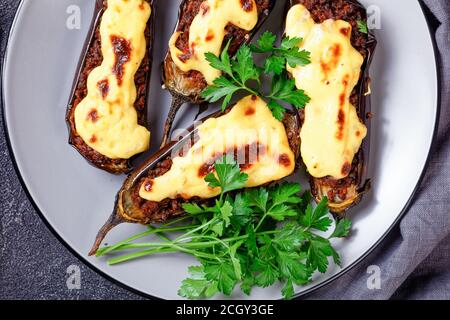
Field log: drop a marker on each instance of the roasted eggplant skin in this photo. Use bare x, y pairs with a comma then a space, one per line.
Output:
91, 58
190, 85
127, 211
345, 193
186, 87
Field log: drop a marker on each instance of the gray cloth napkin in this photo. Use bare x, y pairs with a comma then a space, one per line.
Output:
413, 261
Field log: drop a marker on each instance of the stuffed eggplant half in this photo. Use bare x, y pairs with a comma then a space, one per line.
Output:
206, 26
334, 128
176, 174
106, 115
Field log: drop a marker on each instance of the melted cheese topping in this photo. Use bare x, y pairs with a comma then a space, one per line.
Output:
332, 132
249, 130
207, 32
106, 119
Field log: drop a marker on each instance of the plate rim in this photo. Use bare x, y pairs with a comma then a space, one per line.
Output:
302, 294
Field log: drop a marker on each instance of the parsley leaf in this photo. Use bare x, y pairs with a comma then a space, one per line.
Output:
226, 211
229, 175
222, 87
290, 43
292, 268
237, 238
342, 229
197, 287
224, 275
290, 237
266, 42
362, 26
192, 208
247, 284
318, 252
242, 71
284, 89
275, 64
257, 198
288, 290
241, 212
281, 212
286, 193
277, 109
316, 218
251, 242
295, 57
223, 63
266, 273
244, 65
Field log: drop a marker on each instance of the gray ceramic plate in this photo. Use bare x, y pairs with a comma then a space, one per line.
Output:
75, 198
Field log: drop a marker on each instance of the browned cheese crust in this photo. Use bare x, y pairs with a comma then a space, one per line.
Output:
168, 208
350, 11
93, 59
190, 84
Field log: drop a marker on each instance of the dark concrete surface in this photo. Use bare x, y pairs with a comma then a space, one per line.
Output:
33, 263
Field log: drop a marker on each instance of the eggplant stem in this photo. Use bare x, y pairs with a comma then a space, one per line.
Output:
177, 102
113, 221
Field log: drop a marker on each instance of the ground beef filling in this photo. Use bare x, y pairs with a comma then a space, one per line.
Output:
350, 11
188, 12
94, 58
158, 211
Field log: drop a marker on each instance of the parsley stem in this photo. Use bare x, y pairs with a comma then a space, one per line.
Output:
244, 87
148, 232
191, 245
188, 248
139, 254
122, 246
183, 236
261, 220
166, 247
167, 224
264, 216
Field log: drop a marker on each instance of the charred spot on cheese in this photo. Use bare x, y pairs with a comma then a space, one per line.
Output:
244, 156
111, 86
92, 115
122, 52
256, 149
148, 185
204, 8
284, 160
186, 55
346, 168
103, 87
250, 111
247, 5
341, 124
331, 59
332, 132
93, 139
207, 33
345, 31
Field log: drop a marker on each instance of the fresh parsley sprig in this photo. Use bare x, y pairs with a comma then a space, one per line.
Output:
253, 237
362, 26
243, 74
288, 52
